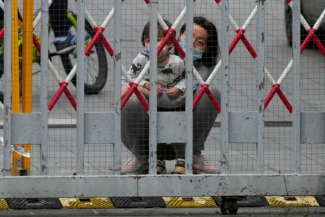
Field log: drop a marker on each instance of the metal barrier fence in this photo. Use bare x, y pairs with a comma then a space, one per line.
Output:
254, 159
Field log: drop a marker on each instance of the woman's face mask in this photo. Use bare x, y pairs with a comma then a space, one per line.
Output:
162, 53
197, 53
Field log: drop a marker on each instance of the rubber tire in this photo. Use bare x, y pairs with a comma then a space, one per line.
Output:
100, 82
232, 211
248, 201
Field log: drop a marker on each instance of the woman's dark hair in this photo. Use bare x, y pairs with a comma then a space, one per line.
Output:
161, 32
209, 58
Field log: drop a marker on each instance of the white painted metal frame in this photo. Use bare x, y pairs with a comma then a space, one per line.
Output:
152, 184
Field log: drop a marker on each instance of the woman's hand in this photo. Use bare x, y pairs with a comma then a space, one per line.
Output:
159, 89
147, 85
124, 90
173, 92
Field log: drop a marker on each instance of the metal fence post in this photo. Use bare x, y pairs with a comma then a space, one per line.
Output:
15, 71
7, 89
44, 84
153, 86
189, 86
80, 86
296, 87
260, 83
224, 86
117, 148
27, 71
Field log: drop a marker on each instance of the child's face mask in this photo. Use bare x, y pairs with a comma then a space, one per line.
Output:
162, 53
197, 53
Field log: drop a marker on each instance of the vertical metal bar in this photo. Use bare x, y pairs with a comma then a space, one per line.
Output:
224, 86
296, 87
28, 55
189, 86
80, 86
27, 80
15, 71
7, 89
153, 86
44, 84
260, 83
117, 85
15, 61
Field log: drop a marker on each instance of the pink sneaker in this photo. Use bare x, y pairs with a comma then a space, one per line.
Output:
136, 164
201, 164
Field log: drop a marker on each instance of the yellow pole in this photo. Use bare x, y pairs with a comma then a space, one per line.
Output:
27, 68
15, 69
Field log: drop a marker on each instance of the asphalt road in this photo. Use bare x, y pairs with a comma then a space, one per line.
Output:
62, 141
208, 212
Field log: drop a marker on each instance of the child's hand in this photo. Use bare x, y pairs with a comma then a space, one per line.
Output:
173, 92
124, 90
159, 89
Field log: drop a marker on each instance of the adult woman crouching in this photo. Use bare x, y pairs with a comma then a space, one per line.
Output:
135, 121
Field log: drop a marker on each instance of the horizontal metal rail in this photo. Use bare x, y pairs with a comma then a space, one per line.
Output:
53, 124
134, 186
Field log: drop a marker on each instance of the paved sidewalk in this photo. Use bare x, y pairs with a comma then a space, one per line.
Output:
253, 212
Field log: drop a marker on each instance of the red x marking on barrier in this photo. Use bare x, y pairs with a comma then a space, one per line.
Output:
66, 91
38, 48
311, 36
240, 35
170, 32
169, 36
98, 36
133, 86
111, 52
